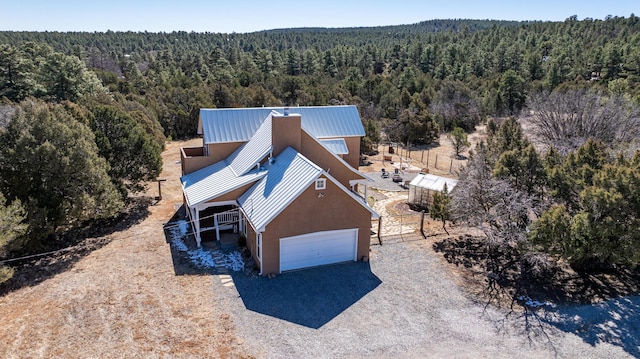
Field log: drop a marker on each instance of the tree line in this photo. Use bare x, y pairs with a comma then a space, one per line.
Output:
577, 202
84, 116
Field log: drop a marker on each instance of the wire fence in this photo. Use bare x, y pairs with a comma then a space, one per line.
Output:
422, 159
398, 228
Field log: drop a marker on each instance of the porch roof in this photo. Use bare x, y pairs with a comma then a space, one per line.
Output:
215, 180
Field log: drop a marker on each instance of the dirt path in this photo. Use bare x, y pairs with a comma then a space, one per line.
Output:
123, 300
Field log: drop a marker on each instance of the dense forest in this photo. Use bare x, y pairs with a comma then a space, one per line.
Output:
84, 116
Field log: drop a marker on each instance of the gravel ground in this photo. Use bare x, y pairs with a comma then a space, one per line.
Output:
387, 184
406, 303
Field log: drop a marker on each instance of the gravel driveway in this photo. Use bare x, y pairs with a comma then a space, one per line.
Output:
404, 303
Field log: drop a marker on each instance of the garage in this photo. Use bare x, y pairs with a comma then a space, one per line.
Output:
318, 248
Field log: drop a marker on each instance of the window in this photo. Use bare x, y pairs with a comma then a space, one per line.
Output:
321, 183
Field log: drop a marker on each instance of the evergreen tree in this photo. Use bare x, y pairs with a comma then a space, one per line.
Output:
12, 226
50, 162
459, 140
440, 207
133, 156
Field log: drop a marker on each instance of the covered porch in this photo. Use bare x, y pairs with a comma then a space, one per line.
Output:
213, 220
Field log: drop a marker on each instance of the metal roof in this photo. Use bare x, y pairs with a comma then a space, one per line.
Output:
336, 145
433, 182
252, 152
287, 178
240, 124
230, 124
213, 181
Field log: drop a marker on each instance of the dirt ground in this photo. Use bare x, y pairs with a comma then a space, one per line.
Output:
122, 300
439, 160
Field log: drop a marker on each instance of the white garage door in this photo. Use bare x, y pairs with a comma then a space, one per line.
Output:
318, 248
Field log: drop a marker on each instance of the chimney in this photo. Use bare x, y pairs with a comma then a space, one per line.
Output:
285, 132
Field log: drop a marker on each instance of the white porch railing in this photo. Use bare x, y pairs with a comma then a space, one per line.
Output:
227, 217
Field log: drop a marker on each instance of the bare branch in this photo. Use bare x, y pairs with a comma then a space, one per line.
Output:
568, 119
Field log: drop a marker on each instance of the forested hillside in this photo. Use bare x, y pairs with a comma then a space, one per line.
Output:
84, 116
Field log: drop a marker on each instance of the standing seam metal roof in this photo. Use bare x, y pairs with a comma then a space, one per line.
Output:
240, 124
252, 152
336, 145
214, 181
288, 176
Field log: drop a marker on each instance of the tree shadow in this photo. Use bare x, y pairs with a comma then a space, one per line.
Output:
71, 246
599, 307
615, 321
188, 259
310, 297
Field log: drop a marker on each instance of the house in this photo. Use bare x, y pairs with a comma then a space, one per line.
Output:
287, 182
422, 187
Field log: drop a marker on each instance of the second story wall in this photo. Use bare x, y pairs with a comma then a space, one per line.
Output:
321, 156
195, 158
353, 157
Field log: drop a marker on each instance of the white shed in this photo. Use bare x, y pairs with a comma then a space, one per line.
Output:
422, 187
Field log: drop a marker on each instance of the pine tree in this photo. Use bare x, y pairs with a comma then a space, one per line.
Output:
441, 207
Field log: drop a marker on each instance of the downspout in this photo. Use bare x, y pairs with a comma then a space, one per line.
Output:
259, 243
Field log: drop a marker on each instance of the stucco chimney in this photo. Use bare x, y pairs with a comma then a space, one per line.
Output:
285, 132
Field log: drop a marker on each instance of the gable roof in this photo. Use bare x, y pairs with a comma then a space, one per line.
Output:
253, 151
289, 176
240, 124
213, 181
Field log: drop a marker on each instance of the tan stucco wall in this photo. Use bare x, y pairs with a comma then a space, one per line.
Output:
192, 159
233, 195
252, 244
217, 153
285, 132
220, 151
353, 157
319, 155
310, 213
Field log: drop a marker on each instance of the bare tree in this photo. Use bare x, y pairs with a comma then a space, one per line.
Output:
501, 211
568, 119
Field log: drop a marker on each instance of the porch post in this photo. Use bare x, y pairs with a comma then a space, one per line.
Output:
240, 222
196, 223
215, 223
366, 193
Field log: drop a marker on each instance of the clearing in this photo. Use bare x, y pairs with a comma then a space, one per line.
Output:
123, 299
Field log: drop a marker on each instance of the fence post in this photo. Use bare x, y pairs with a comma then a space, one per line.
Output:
436, 165
422, 225
428, 153
160, 188
379, 230
450, 165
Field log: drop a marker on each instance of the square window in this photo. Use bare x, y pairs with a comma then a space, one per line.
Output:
321, 183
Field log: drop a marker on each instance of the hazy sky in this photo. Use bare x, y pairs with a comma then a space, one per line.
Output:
255, 15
